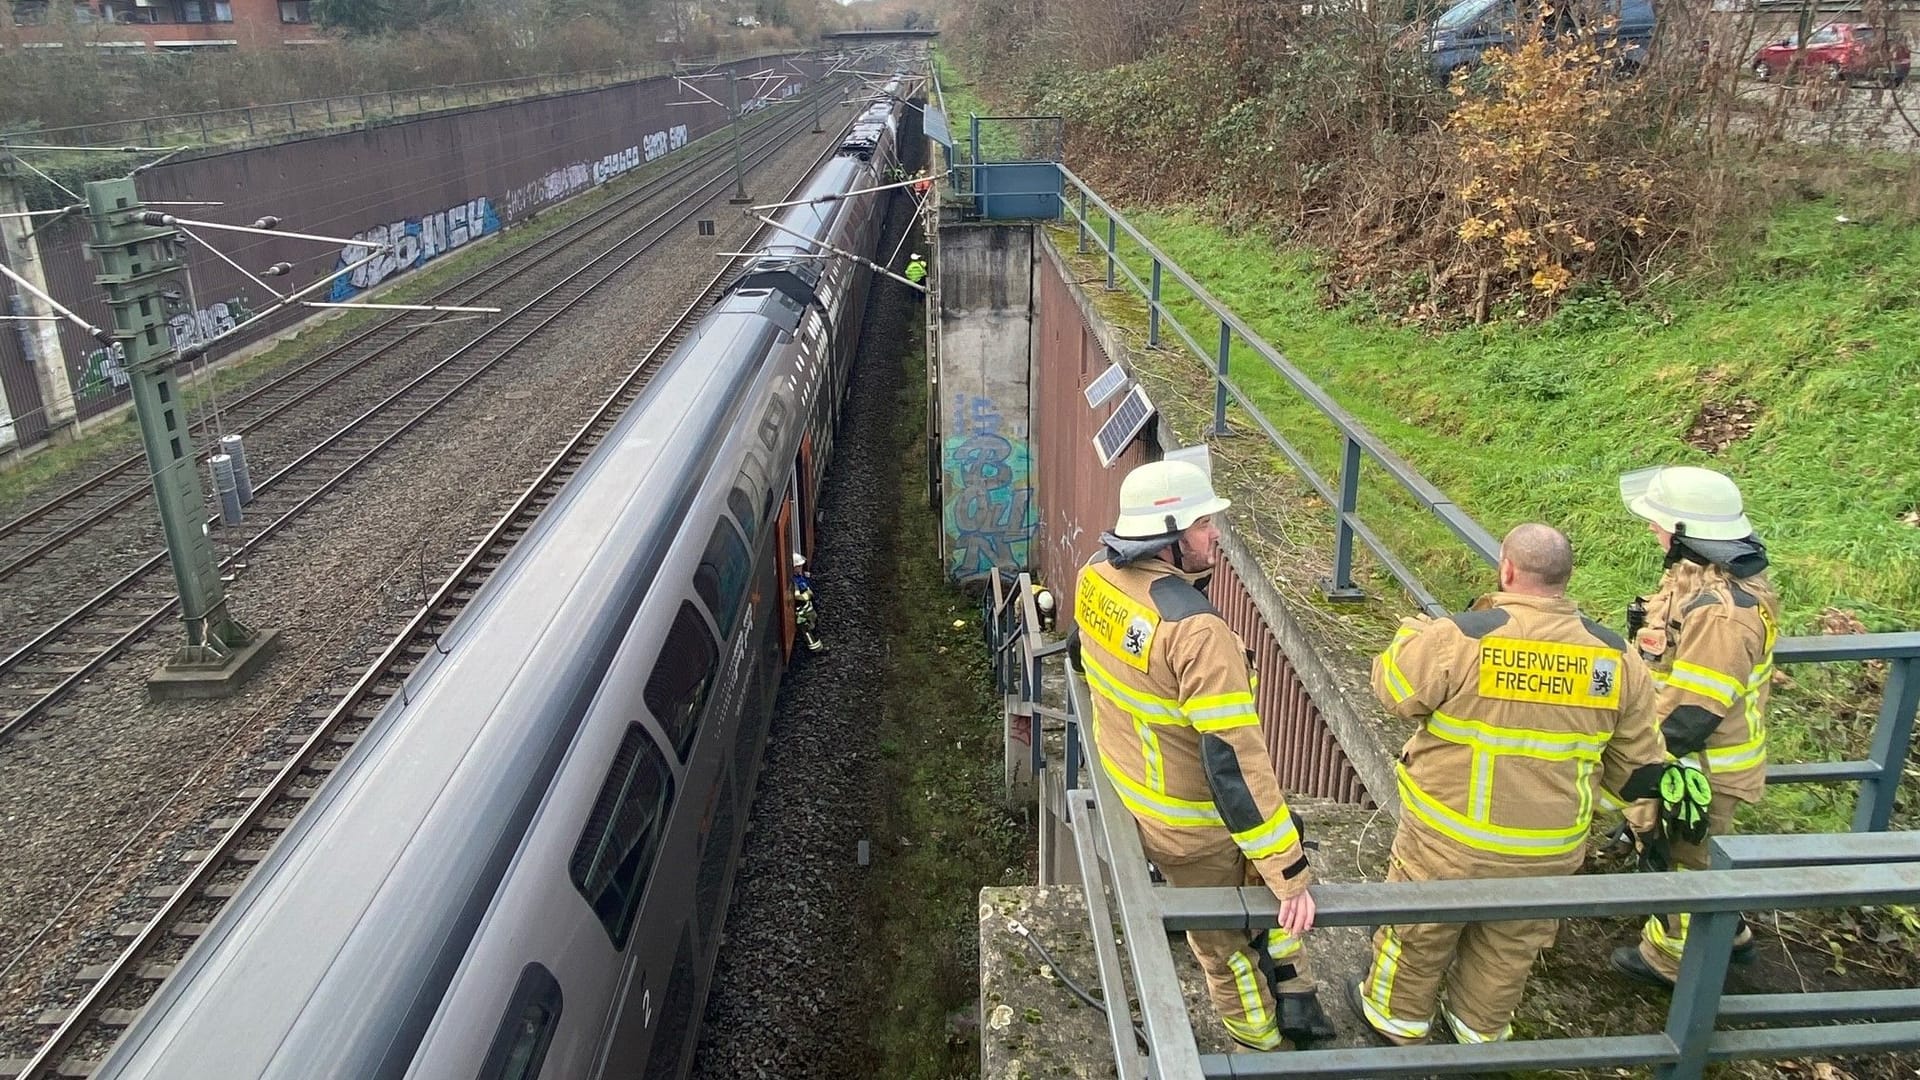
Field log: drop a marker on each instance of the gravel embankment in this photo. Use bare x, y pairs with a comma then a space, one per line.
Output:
785, 1001
115, 772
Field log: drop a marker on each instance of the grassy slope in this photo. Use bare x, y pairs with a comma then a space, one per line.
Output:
1821, 327
1818, 322
943, 833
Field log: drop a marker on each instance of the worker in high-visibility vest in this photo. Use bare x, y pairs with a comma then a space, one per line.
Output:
1526, 707
1708, 633
916, 268
1176, 731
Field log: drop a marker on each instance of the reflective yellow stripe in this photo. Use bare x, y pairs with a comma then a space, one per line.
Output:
1282, 945
1378, 992
1467, 1035
1481, 836
1525, 742
1671, 944
1732, 759
1218, 712
1150, 754
1149, 707
1270, 837
1166, 809
1396, 680
1258, 1028
1481, 793
1611, 802
1704, 681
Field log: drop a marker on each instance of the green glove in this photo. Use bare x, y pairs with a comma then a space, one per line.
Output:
1685, 796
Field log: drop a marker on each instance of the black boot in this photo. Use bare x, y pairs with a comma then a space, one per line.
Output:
1302, 1019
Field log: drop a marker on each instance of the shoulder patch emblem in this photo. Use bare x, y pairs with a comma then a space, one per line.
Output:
1138, 638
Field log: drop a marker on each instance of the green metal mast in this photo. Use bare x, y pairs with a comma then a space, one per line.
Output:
138, 262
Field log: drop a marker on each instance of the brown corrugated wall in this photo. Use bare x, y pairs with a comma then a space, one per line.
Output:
442, 180
1077, 499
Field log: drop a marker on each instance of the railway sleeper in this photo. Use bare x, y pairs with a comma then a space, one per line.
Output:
108, 1018
93, 973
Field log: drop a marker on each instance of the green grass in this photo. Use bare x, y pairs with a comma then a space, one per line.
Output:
999, 140
943, 832
1818, 324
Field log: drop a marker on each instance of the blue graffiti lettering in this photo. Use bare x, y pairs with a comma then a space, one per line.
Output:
989, 515
415, 242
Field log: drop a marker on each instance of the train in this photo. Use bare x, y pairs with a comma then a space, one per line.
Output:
522, 868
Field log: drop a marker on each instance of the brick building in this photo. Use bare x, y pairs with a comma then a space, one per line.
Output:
169, 25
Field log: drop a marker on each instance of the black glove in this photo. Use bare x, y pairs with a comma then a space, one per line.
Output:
1653, 854
1685, 795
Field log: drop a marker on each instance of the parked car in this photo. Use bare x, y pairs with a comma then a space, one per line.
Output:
1463, 33
1841, 52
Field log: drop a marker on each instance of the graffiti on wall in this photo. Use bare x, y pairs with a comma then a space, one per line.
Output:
987, 476
207, 323
104, 371
416, 242
573, 178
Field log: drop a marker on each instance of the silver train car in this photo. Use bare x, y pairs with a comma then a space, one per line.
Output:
522, 869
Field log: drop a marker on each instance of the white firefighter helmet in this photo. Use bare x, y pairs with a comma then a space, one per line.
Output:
799, 561
1161, 498
1671, 496
915, 257
1043, 600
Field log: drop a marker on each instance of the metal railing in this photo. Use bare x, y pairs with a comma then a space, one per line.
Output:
1849, 870
313, 115
1879, 774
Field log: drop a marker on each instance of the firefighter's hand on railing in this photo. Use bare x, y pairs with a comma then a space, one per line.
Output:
1296, 913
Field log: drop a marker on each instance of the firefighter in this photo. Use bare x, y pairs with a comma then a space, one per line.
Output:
1708, 632
1525, 708
1176, 731
916, 268
804, 615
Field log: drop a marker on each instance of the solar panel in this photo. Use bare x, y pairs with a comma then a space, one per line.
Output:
1107, 385
1125, 423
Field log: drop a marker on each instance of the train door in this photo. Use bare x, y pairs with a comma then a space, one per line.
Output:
784, 550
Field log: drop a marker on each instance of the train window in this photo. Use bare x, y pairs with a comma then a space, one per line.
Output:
520, 1045
742, 506
721, 579
682, 676
771, 424
614, 857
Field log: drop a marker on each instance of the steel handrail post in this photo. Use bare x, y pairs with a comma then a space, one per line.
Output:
1221, 359
1113, 246
1341, 587
1153, 309
1892, 736
1083, 219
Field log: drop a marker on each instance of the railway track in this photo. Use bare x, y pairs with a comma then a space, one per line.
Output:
44, 529
121, 988
62, 655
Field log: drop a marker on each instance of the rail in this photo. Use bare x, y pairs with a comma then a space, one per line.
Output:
1848, 870
313, 115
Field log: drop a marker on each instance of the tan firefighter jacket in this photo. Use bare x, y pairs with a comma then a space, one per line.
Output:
1174, 719
1526, 708
1712, 658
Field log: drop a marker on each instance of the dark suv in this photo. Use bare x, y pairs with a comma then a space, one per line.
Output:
1460, 36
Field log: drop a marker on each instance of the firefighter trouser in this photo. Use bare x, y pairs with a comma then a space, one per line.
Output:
1243, 972
1664, 937
1489, 960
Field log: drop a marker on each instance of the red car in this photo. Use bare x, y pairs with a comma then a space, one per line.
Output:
1843, 52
